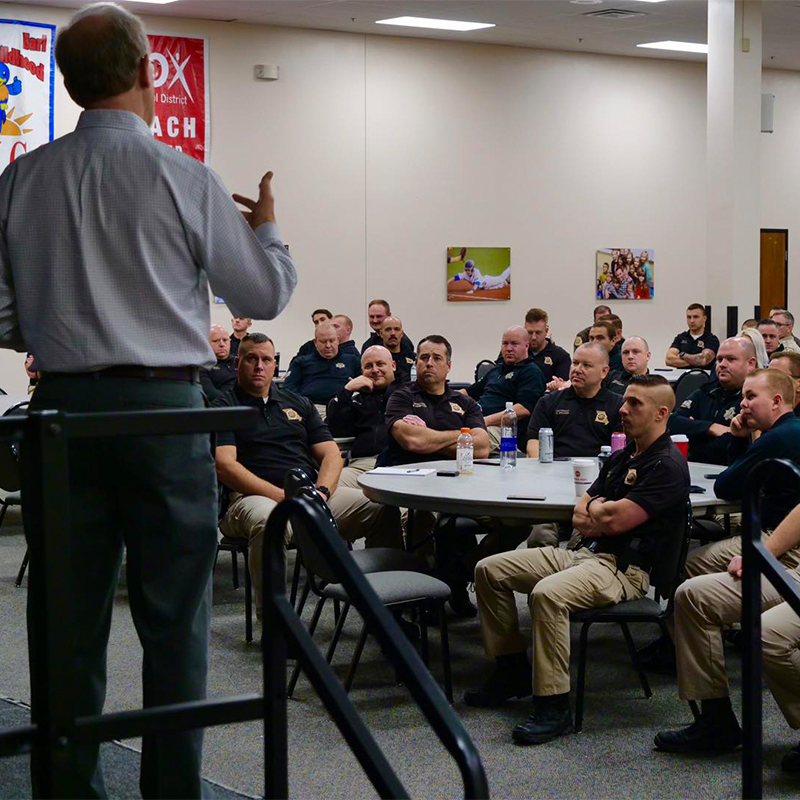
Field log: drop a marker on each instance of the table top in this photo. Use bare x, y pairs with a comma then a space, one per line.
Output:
486, 491
672, 374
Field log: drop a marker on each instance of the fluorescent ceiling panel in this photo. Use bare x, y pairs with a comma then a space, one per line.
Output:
683, 47
438, 24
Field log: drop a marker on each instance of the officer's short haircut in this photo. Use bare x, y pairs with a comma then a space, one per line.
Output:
697, 307
347, 321
379, 302
641, 338
537, 315
613, 319
434, 338
793, 359
601, 310
767, 322
607, 326
787, 315
101, 61
254, 339
749, 323
324, 311
598, 348
664, 392
778, 382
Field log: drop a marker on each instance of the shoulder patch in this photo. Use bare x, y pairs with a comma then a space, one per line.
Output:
686, 404
602, 418
630, 478
548, 361
456, 408
292, 415
510, 375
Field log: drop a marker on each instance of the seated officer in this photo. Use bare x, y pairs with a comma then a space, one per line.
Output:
705, 416
708, 602
424, 418
317, 315
788, 362
377, 311
780, 311
695, 347
358, 410
583, 336
608, 336
553, 361
785, 322
253, 463
221, 377
769, 330
631, 518
319, 375
516, 380
344, 328
635, 360
240, 326
392, 336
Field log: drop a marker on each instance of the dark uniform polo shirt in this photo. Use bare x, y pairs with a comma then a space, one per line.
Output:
657, 481
619, 380
450, 411
581, 426
346, 348
235, 346
686, 343
615, 357
403, 362
521, 383
582, 337
406, 345
218, 379
305, 349
362, 415
553, 361
708, 404
782, 440
287, 428
318, 378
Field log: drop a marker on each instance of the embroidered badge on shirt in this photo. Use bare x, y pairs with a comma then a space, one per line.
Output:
700, 343
729, 414
409, 360
602, 418
292, 415
686, 404
509, 376
548, 361
418, 405
562, 411
457, 408
339, 365
630, 478
578, 341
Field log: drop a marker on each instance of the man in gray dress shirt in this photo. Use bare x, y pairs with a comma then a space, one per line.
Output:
108, 243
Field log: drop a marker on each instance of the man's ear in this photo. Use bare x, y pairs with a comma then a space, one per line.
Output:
144, 76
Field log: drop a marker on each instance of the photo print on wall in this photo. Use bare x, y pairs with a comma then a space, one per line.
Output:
623, 273
478, 273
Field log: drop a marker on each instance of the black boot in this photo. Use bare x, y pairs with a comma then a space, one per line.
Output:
659, 656
791, 761
716, 731
511, 678
551, 717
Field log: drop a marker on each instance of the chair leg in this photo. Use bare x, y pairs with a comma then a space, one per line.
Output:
295, 580
423, 641
336, 610
235, 568
637, 665
448, 678
311, 628
695, 710
337, 633
303, 597
21, 574
584, 641
356, 658
248, 600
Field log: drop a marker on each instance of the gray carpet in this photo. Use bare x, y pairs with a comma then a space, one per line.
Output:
612, 757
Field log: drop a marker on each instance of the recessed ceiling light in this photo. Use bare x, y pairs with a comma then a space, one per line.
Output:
683, 47
439, 24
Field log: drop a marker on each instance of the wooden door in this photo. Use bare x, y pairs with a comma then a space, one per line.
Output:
774, 269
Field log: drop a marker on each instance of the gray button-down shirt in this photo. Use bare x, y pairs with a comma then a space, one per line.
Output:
108, 241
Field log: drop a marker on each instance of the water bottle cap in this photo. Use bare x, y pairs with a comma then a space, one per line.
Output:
466, 430
509, 406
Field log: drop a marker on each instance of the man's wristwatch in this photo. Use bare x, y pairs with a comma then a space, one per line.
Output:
325, 490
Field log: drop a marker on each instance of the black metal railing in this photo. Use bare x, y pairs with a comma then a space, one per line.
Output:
758, 562
55, 725
281, 623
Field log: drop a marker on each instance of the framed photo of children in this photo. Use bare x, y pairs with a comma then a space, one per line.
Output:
478, 273
623, 273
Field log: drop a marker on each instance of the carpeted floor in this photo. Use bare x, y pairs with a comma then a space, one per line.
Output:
612, 757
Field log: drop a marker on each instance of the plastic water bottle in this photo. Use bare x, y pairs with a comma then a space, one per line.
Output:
508, 438
605, 454
464, 452
413, 375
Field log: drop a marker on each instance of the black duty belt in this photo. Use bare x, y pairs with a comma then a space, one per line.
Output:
189, 374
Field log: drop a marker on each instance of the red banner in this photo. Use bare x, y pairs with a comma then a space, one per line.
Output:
180, 75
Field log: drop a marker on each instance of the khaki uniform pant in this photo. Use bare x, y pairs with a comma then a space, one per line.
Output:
355, 515
494, 439
707, 603
716, 556
556, 581
355, 469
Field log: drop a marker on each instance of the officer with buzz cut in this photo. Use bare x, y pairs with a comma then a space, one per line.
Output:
696, 347
705, 416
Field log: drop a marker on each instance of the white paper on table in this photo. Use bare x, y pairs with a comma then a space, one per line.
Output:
414, 472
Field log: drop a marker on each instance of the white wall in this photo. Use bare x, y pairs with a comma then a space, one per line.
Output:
386, 150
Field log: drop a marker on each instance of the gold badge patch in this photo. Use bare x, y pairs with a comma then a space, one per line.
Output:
729, 414
292, 415
700, 344
339, 365
602, 418
409, 360
457, 408
548, 361
578, 341
630, 478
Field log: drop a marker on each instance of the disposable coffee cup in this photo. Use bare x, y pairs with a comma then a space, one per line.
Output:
585, 472
682, 443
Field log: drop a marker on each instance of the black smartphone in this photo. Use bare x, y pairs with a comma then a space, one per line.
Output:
696, 489
447, 473
525, 497
711, 477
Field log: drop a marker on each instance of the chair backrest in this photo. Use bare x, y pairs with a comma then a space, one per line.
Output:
668, 571
10, 480
482, 368
688, 383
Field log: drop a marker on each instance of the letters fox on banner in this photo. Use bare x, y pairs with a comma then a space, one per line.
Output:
26, 87
180, 73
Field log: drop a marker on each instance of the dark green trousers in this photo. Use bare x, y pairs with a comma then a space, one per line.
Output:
156, 497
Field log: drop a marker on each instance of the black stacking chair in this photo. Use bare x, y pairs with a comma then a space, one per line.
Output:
237, 547
11, 483
398, 589
666, 578
689, 382
482, 368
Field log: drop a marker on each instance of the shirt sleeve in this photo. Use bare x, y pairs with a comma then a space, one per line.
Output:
316, 430
341, 414
712, 343
562, 365
251, 270
294, 376
473, 415
679, 421
477, 389
224, 438
530, 387
397, 406
660, 488
676, 343
729, 484
540, 417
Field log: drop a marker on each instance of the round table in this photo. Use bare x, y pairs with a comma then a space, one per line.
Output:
486, 491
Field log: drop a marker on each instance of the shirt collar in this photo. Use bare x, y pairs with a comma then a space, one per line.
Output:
112, 118
784, 419
246, 399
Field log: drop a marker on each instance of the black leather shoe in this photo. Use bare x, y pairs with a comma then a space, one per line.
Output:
791, 761
546, 722
659, 657
504, 684
461, 604
701, 737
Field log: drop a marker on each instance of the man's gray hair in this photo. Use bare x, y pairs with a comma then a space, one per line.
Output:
101, 61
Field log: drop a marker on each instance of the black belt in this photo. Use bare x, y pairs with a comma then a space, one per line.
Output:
189, 374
